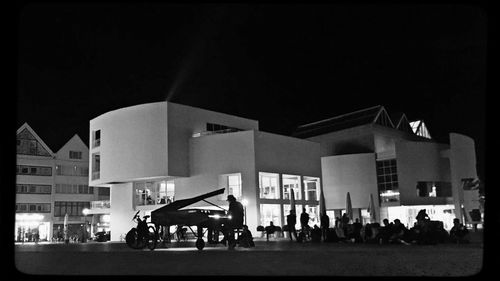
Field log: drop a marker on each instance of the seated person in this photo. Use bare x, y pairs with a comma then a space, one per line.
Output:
270, 229
385, 232
459, 233
399, 233
316, 234
245, 239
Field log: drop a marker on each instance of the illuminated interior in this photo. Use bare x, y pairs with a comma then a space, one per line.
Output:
407, 214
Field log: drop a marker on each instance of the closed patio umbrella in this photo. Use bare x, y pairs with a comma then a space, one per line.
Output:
371, 210
65, 228
349, 206
292, 201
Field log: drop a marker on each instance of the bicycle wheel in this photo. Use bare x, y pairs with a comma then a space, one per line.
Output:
132, 239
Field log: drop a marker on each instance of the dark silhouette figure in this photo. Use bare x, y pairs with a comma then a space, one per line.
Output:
304, 224
458, 233
316, 234
385, 232
356, 231
325, 224
270, 229
236, 212
291, 221
399, 233
246, 238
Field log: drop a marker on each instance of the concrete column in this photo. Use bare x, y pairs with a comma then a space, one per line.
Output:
122, 209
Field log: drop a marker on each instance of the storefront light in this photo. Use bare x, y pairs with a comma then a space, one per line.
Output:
29, 217
106, 218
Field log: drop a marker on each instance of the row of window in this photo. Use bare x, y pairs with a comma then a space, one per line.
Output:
33, 208
269, 187
74, 189
33, 188
33, 170
65, 170
70, 208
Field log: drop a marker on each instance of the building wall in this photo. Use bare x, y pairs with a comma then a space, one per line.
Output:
349, 141
353, 173
156, 135
420, 161
463, 165
184, 121
133, 143
122, 210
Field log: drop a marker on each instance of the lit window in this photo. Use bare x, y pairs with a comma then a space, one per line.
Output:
291, 182
270, 212
311, 188
268, 185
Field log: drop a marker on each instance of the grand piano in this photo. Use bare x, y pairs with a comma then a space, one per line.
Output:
172, 215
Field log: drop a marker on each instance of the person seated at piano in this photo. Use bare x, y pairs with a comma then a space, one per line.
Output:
236, 212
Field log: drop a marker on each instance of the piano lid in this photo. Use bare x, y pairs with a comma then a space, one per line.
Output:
178, 204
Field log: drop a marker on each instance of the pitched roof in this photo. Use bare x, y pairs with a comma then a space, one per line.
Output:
375, 114
27, 132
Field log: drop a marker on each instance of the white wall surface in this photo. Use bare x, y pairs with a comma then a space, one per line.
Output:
122, 210
281, 154
353, 173
463, 165
133, 143
420, 161
184, 121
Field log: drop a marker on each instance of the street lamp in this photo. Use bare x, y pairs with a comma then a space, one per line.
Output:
85, 213
245, 203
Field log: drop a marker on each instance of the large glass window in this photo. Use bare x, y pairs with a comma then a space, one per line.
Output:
268, 185
232, 184
311, 188
433, 189
286, 212
387, 180
270, 212
154, 192
291, 182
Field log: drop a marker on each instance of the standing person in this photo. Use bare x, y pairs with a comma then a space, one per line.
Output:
356, 231
291, 220
325, 224
345, 224
236, 212
459, 233
304, 223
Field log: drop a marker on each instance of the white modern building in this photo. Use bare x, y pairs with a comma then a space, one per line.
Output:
50, 185
397, 162
154, 153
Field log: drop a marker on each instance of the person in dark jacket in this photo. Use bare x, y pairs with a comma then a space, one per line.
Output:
236, 213
291, 221
325, 224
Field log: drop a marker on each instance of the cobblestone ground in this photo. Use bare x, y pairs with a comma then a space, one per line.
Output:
276, 257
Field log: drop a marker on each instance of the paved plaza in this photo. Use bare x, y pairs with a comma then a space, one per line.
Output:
277, 257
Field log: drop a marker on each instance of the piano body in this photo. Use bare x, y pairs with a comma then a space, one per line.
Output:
172, 214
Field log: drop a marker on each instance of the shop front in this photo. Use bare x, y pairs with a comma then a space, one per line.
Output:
31, 228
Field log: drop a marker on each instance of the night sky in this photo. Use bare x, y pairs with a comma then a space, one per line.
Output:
283, 65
